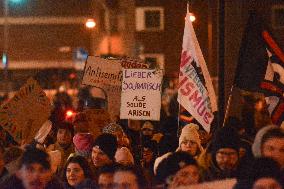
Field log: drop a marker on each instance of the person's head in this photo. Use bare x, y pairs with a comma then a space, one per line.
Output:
261, 173
104, 149
124, 156
225, 149
189, 140
129, 177
272, 145
64, 134
34, 169
105, 176
83, 143
134, 125
147, 129
76, 170
178, 169
115, 130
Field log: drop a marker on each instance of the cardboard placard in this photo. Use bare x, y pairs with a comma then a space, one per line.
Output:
23, 115
106, 74
92, 121
141, 94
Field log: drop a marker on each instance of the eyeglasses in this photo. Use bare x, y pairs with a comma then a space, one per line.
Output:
228, 154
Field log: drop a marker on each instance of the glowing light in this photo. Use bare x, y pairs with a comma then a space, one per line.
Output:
69, 113
192, 17
90, 23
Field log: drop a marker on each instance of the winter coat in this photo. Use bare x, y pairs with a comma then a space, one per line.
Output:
86, 184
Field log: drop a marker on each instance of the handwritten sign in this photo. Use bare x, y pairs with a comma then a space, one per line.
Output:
24, 114
141, 94
107, 75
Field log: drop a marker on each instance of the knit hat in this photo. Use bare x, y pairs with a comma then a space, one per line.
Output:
190, 132
256, 146
112, 128
123, 155
107, 143
43, 132
83, 143
147, 125
226, 137
159, 160
172, 164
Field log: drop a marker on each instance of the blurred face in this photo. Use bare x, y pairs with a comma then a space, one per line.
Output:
64, 137
189, 146
99, 158
186, 176
74, 174
105, 181
274, 148
34, 176
227, 159
125, 180
266, 183
134, 125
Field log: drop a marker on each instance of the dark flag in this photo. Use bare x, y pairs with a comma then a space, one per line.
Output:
261, 67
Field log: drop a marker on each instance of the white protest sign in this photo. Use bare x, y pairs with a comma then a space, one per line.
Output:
141, 94
105, 74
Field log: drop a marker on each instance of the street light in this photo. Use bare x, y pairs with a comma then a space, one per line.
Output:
90, 23
192, 17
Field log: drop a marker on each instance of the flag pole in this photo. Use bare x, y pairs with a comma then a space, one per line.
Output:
221, 70
228, 105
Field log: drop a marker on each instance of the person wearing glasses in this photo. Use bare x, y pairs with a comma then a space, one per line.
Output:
225, 160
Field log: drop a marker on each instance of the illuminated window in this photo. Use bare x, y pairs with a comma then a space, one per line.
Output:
150, 19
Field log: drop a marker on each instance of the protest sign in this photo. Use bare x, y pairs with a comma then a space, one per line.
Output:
133, 63
91, 121
25, 113
141, 94
105, 74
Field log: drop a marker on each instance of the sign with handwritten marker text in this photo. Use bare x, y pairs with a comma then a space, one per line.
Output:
141, 94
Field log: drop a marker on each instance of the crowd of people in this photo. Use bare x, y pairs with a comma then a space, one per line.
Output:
136, 154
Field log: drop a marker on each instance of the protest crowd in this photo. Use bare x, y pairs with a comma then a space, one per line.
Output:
173, 152
86, 145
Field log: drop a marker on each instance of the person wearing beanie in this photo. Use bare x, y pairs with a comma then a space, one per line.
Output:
116, 130
83, 143
103, 150
178, 169
189, 140
269, 142
224, 162
261, 173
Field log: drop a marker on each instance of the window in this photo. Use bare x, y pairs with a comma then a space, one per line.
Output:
155, 60
149, 18
278, 16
